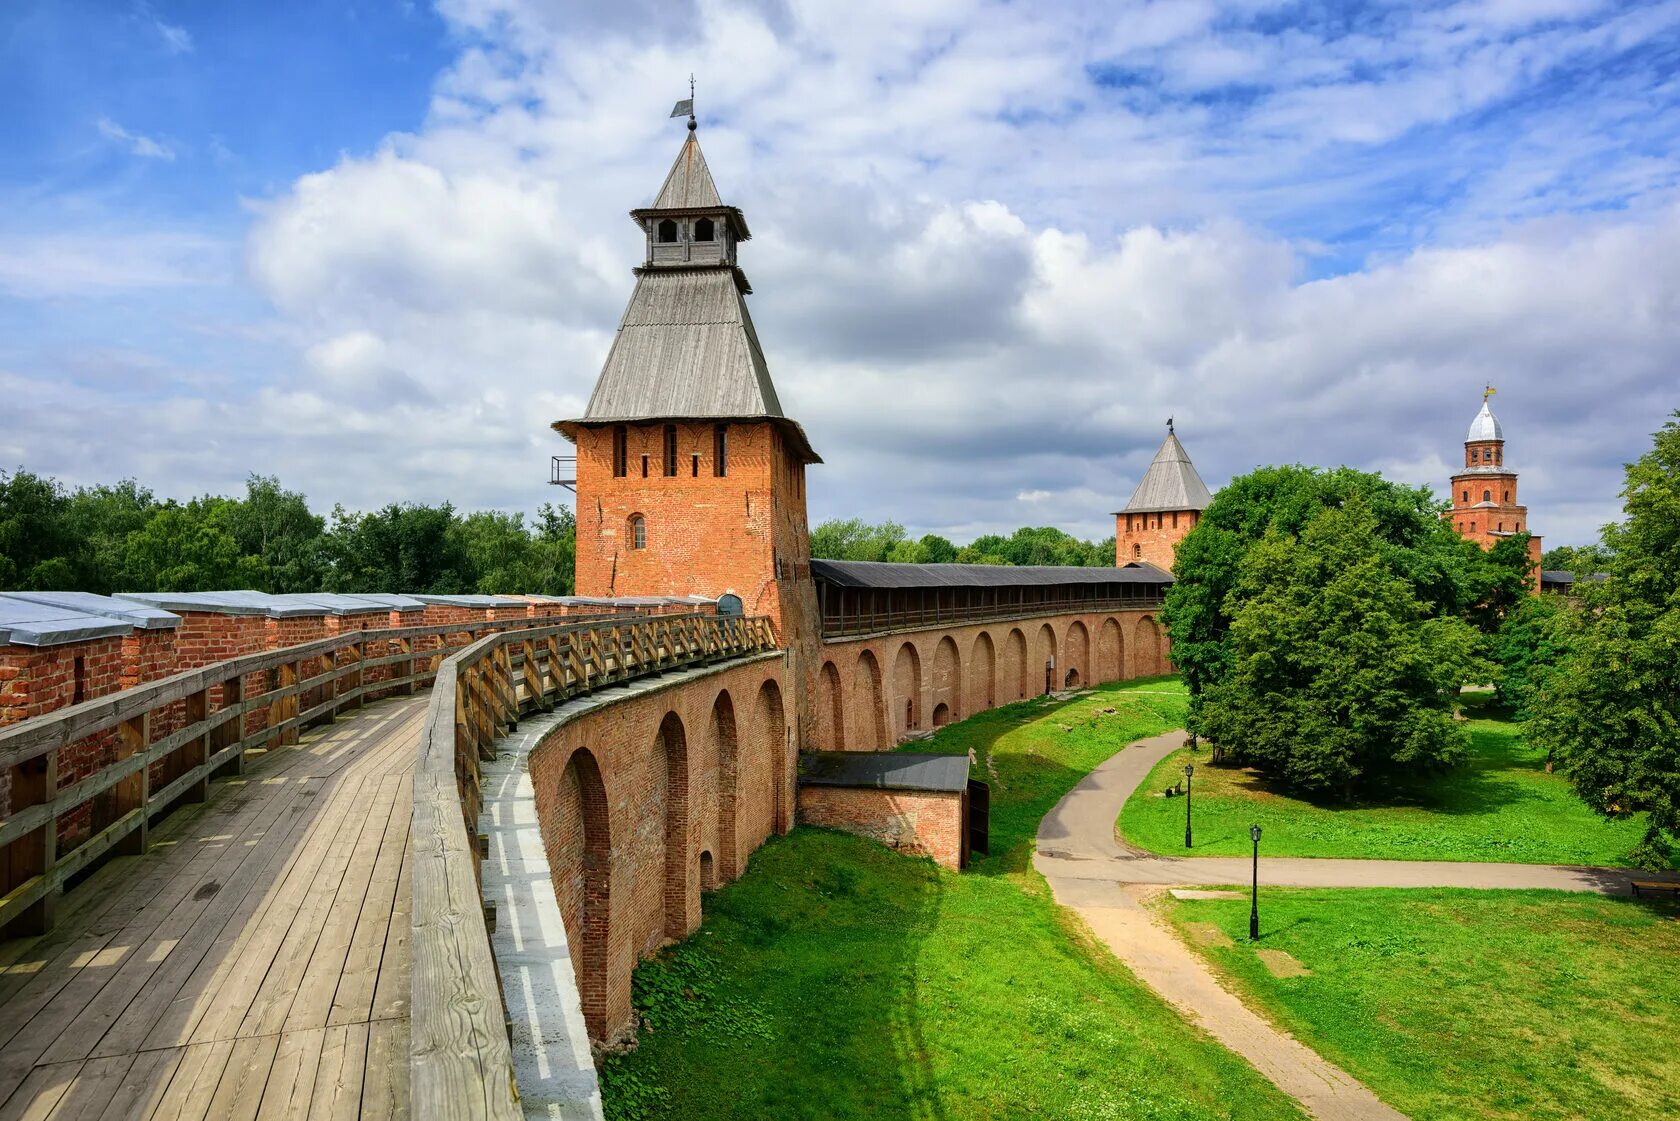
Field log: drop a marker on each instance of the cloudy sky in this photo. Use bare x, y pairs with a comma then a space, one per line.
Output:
375, 247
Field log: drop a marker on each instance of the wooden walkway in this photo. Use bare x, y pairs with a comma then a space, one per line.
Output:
254, 964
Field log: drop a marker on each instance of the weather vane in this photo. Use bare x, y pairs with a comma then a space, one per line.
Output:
686, 108
1487, 391
1169, 426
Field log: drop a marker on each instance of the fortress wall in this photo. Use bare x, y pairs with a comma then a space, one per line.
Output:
646, 797
873, 692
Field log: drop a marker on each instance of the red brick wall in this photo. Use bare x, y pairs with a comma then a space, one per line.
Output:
37, 680
698, 769
1152, 538
868, 693
924, 823
743, 533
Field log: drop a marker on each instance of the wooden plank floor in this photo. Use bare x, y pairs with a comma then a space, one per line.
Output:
253, 964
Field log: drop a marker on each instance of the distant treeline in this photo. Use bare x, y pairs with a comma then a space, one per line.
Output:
855, 539
121, 538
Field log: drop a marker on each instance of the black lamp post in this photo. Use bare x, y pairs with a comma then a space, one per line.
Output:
1254, 897
1188, 771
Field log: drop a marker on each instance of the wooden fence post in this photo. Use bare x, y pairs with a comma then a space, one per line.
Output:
196, 752
132, 793
33, 782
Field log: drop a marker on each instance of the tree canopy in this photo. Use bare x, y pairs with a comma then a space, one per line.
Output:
122, 538
1448, 575
1335, 670
855, 539
1610, 709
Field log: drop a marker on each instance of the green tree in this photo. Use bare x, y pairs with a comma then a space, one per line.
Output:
1497, 580
33, 531
1410, 537
1581, 560
1610, 711
1338, 674
855, 539
275, 526
403, 547
188, 549
101, 520
1531, 642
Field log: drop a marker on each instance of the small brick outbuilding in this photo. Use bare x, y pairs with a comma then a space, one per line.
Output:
912, 802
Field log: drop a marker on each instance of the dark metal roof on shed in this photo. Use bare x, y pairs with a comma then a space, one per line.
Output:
25, 623
1556, 576
887, 574
128, 611
885, 770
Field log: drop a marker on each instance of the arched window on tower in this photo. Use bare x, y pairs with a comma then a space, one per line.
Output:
667, 232
670, 451
1137, 552
1507, 496
621, 451
703, 230
1487, 496
637, 531
1466, 496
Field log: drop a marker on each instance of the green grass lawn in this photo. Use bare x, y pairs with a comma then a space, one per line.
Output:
838, 979
1502, 806
1470, 1004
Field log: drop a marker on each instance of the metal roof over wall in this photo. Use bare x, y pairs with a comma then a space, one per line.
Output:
885, 770
887, 574
128, 611
26, 623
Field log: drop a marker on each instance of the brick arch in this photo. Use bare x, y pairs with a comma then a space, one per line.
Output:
906, 690
1146, 649
831, 710
582, 874
718, 832
941, 714
771, 726
1015, 665
947, 684
982, 674
868, 706
680, 898
1044, 648
1111, 652
1074, 668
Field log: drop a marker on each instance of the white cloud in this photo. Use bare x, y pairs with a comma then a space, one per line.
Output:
143, 146
982, 278
176, 39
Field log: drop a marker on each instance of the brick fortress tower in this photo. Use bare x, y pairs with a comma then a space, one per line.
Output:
1166, 505
1484, 493
690, 478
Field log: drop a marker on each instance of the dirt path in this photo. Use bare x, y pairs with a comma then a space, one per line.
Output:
1107, 882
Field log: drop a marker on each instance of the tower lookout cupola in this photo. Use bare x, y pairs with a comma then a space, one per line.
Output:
690, 477
1166, 505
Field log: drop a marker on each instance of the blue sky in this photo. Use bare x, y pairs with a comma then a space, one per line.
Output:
374, 248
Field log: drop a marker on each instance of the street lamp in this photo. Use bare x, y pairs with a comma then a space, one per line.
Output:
1188, 771
1254, 896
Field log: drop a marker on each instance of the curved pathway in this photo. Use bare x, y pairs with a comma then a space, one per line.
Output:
1108, 882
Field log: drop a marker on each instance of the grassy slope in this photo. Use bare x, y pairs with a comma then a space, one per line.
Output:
1474, 1004
837, 979
1502, 807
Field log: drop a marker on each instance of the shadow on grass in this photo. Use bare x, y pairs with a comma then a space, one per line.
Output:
798, 997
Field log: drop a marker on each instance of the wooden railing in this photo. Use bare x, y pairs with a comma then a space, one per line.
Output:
184, 729
460, 1064
915, 619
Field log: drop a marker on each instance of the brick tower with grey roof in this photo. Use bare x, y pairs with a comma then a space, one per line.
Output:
1166, 505
690, 477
